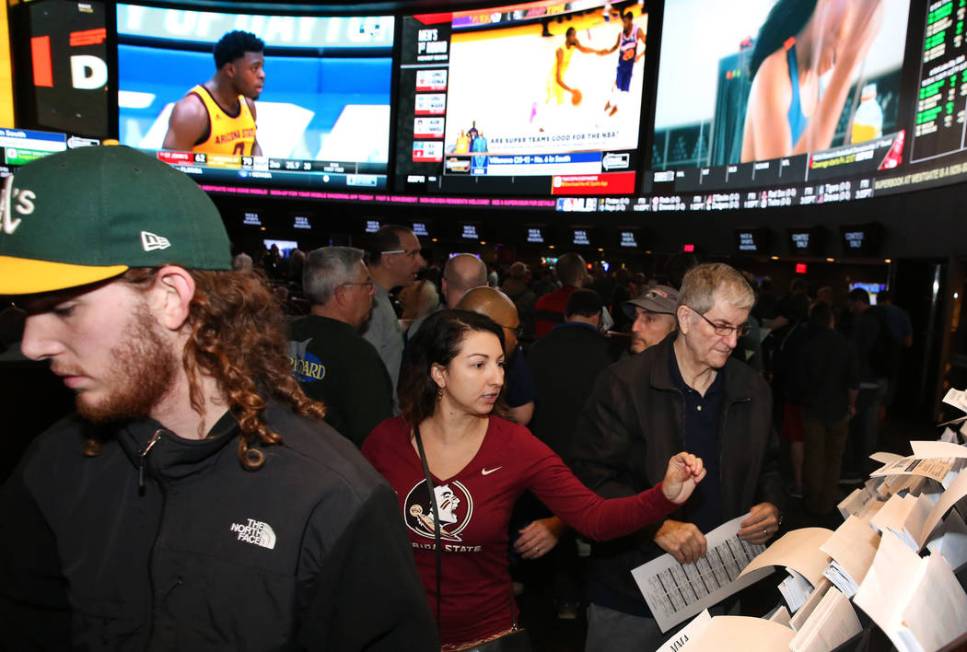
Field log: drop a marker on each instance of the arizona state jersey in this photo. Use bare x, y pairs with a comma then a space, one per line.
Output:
226, 134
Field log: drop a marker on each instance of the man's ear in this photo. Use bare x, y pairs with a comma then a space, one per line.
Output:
684, 325
172, 292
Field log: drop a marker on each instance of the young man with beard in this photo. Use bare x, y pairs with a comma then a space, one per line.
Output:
196, 500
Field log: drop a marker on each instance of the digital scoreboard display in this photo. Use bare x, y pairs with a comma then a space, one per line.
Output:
542, 98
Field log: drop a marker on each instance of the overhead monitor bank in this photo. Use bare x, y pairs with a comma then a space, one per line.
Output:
587, 106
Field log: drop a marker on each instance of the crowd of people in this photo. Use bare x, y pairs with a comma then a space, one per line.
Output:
356, 449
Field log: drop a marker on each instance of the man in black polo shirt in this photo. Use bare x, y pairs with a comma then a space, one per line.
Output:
330, 359
685, 393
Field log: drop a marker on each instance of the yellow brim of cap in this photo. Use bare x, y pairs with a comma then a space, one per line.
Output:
26, 276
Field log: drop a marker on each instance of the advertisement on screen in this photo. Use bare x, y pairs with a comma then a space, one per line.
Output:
780, 79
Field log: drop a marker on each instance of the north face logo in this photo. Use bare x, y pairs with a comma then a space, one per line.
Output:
152, 242
257, 532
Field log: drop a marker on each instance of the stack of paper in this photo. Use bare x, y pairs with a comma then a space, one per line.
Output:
686, 634
927, 467
918, 603
950, 540
852, 548
797, 621
913, 518
741, 634
780, 615
795, 589
862, 502
831, 623
797, 550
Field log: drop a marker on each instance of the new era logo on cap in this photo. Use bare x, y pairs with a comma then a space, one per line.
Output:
152, 242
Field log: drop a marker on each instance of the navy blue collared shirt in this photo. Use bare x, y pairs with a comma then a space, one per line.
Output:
703, 418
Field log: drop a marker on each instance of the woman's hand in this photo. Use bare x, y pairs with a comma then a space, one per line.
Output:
684, 472
539, 538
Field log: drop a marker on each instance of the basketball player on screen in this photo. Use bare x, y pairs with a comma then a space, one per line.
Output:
556, 86
218, 117
628, 56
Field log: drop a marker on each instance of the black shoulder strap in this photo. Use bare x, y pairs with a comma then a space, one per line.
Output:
438, 552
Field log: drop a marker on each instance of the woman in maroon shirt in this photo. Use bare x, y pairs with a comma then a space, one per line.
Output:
480, 464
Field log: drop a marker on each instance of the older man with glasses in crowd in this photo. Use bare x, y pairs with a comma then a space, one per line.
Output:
685, 393
331, 360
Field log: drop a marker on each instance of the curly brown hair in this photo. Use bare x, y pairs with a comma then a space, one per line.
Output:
238, 337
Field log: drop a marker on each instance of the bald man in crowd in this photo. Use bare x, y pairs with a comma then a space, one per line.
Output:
462, 273
519, 383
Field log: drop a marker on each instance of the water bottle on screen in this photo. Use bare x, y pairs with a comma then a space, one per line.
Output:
868, 121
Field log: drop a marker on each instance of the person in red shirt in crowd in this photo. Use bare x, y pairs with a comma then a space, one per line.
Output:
479, 464
572, 271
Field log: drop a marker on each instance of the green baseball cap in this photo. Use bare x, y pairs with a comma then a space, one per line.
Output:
90, 214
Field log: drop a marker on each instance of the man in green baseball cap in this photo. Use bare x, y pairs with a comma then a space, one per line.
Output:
196, 499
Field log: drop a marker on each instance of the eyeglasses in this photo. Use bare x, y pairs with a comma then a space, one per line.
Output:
412, 253
724, 330
367, 284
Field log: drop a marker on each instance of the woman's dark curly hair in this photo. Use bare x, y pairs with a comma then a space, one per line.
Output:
238, 337
437, 342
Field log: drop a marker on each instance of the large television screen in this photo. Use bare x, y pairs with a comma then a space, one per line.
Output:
542, 98
780, 92
320, 101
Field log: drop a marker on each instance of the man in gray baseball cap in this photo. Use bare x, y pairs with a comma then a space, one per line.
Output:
653, 313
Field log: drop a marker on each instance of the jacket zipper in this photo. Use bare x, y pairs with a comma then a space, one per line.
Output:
725, 418
142, 461
144, 453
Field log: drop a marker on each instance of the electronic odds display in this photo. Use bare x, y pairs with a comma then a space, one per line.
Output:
542, 98
322, 112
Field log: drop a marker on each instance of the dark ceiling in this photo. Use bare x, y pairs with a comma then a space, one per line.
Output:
335, 6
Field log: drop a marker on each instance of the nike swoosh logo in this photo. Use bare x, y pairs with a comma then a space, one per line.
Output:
486, 471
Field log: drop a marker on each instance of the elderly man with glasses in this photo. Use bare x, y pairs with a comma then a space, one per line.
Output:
685, 393
331, 360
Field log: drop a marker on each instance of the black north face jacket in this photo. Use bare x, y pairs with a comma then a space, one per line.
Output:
188, 551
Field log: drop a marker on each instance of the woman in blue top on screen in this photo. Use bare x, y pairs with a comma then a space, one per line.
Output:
800, 41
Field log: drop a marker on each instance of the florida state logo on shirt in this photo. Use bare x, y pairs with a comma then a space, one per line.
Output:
454, 503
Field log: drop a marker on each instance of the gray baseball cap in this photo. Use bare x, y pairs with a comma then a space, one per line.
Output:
659, 299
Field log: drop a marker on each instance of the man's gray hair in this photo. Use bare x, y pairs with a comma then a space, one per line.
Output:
326, 269
702, 282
